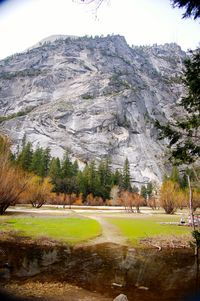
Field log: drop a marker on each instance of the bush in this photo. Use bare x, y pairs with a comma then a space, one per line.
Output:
13, 180
168, 195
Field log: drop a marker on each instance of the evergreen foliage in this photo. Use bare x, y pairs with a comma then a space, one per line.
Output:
147, 191
24, 159
54, 169
126, 184
184, 134
66, 177
117, 178
192, 7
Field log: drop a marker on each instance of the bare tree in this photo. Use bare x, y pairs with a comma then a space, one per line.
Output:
37, 192
13, 181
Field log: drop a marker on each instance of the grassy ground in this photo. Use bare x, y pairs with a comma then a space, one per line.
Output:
149, 226
71, 229
76, 227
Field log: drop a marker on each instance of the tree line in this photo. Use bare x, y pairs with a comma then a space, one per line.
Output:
35, 177
67, 178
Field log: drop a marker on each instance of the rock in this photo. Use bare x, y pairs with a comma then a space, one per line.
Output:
144, 288
117, 284
121, 297
94, 97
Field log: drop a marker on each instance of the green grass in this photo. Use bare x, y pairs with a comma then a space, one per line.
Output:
142, 227
70, 230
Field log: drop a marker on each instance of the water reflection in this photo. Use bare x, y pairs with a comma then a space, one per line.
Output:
107, 268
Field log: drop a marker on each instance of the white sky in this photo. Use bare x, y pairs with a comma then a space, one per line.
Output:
23, 23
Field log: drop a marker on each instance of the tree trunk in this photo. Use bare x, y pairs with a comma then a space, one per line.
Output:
190, 203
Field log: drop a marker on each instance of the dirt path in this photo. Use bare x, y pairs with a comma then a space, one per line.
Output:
110, 233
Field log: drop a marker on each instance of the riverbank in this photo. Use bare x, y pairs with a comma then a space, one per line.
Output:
145, 256
98, 272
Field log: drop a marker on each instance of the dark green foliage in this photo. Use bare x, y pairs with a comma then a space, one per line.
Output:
147, 191
191, 102
66, 186
91, 176
40, 161
126, 184
46, 158
66, 167
66, 176
104, 175
196, 235
14, 115
87, 96
175, 175
184, 134
54, 169
75, 168
192, 7
83, 182
20, 73
35, 161
24, 158
183, 182
179, 178
143, 192
117, 178
98, 181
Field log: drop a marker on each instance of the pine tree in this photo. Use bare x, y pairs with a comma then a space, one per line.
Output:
143, 192
54, 169
92, 177
75, 168
184, 134
37, 162
108, 172
66, 166
149, 190
82, 183
46, 158
192, 7
117, 178
126, 176
24, 158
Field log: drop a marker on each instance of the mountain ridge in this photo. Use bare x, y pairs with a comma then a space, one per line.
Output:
94, 97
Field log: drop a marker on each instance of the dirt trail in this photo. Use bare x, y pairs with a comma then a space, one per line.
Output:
110, 233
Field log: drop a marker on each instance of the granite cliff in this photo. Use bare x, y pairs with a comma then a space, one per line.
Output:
94, 97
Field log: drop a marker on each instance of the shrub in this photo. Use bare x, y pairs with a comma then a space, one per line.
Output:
168, 195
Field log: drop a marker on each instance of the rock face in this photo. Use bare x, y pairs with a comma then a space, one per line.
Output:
94, 97
121, 297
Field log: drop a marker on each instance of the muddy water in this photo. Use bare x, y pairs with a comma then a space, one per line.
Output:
107, 268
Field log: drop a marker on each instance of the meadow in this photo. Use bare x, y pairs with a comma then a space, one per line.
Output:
135, 229
75, 227
70, 230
